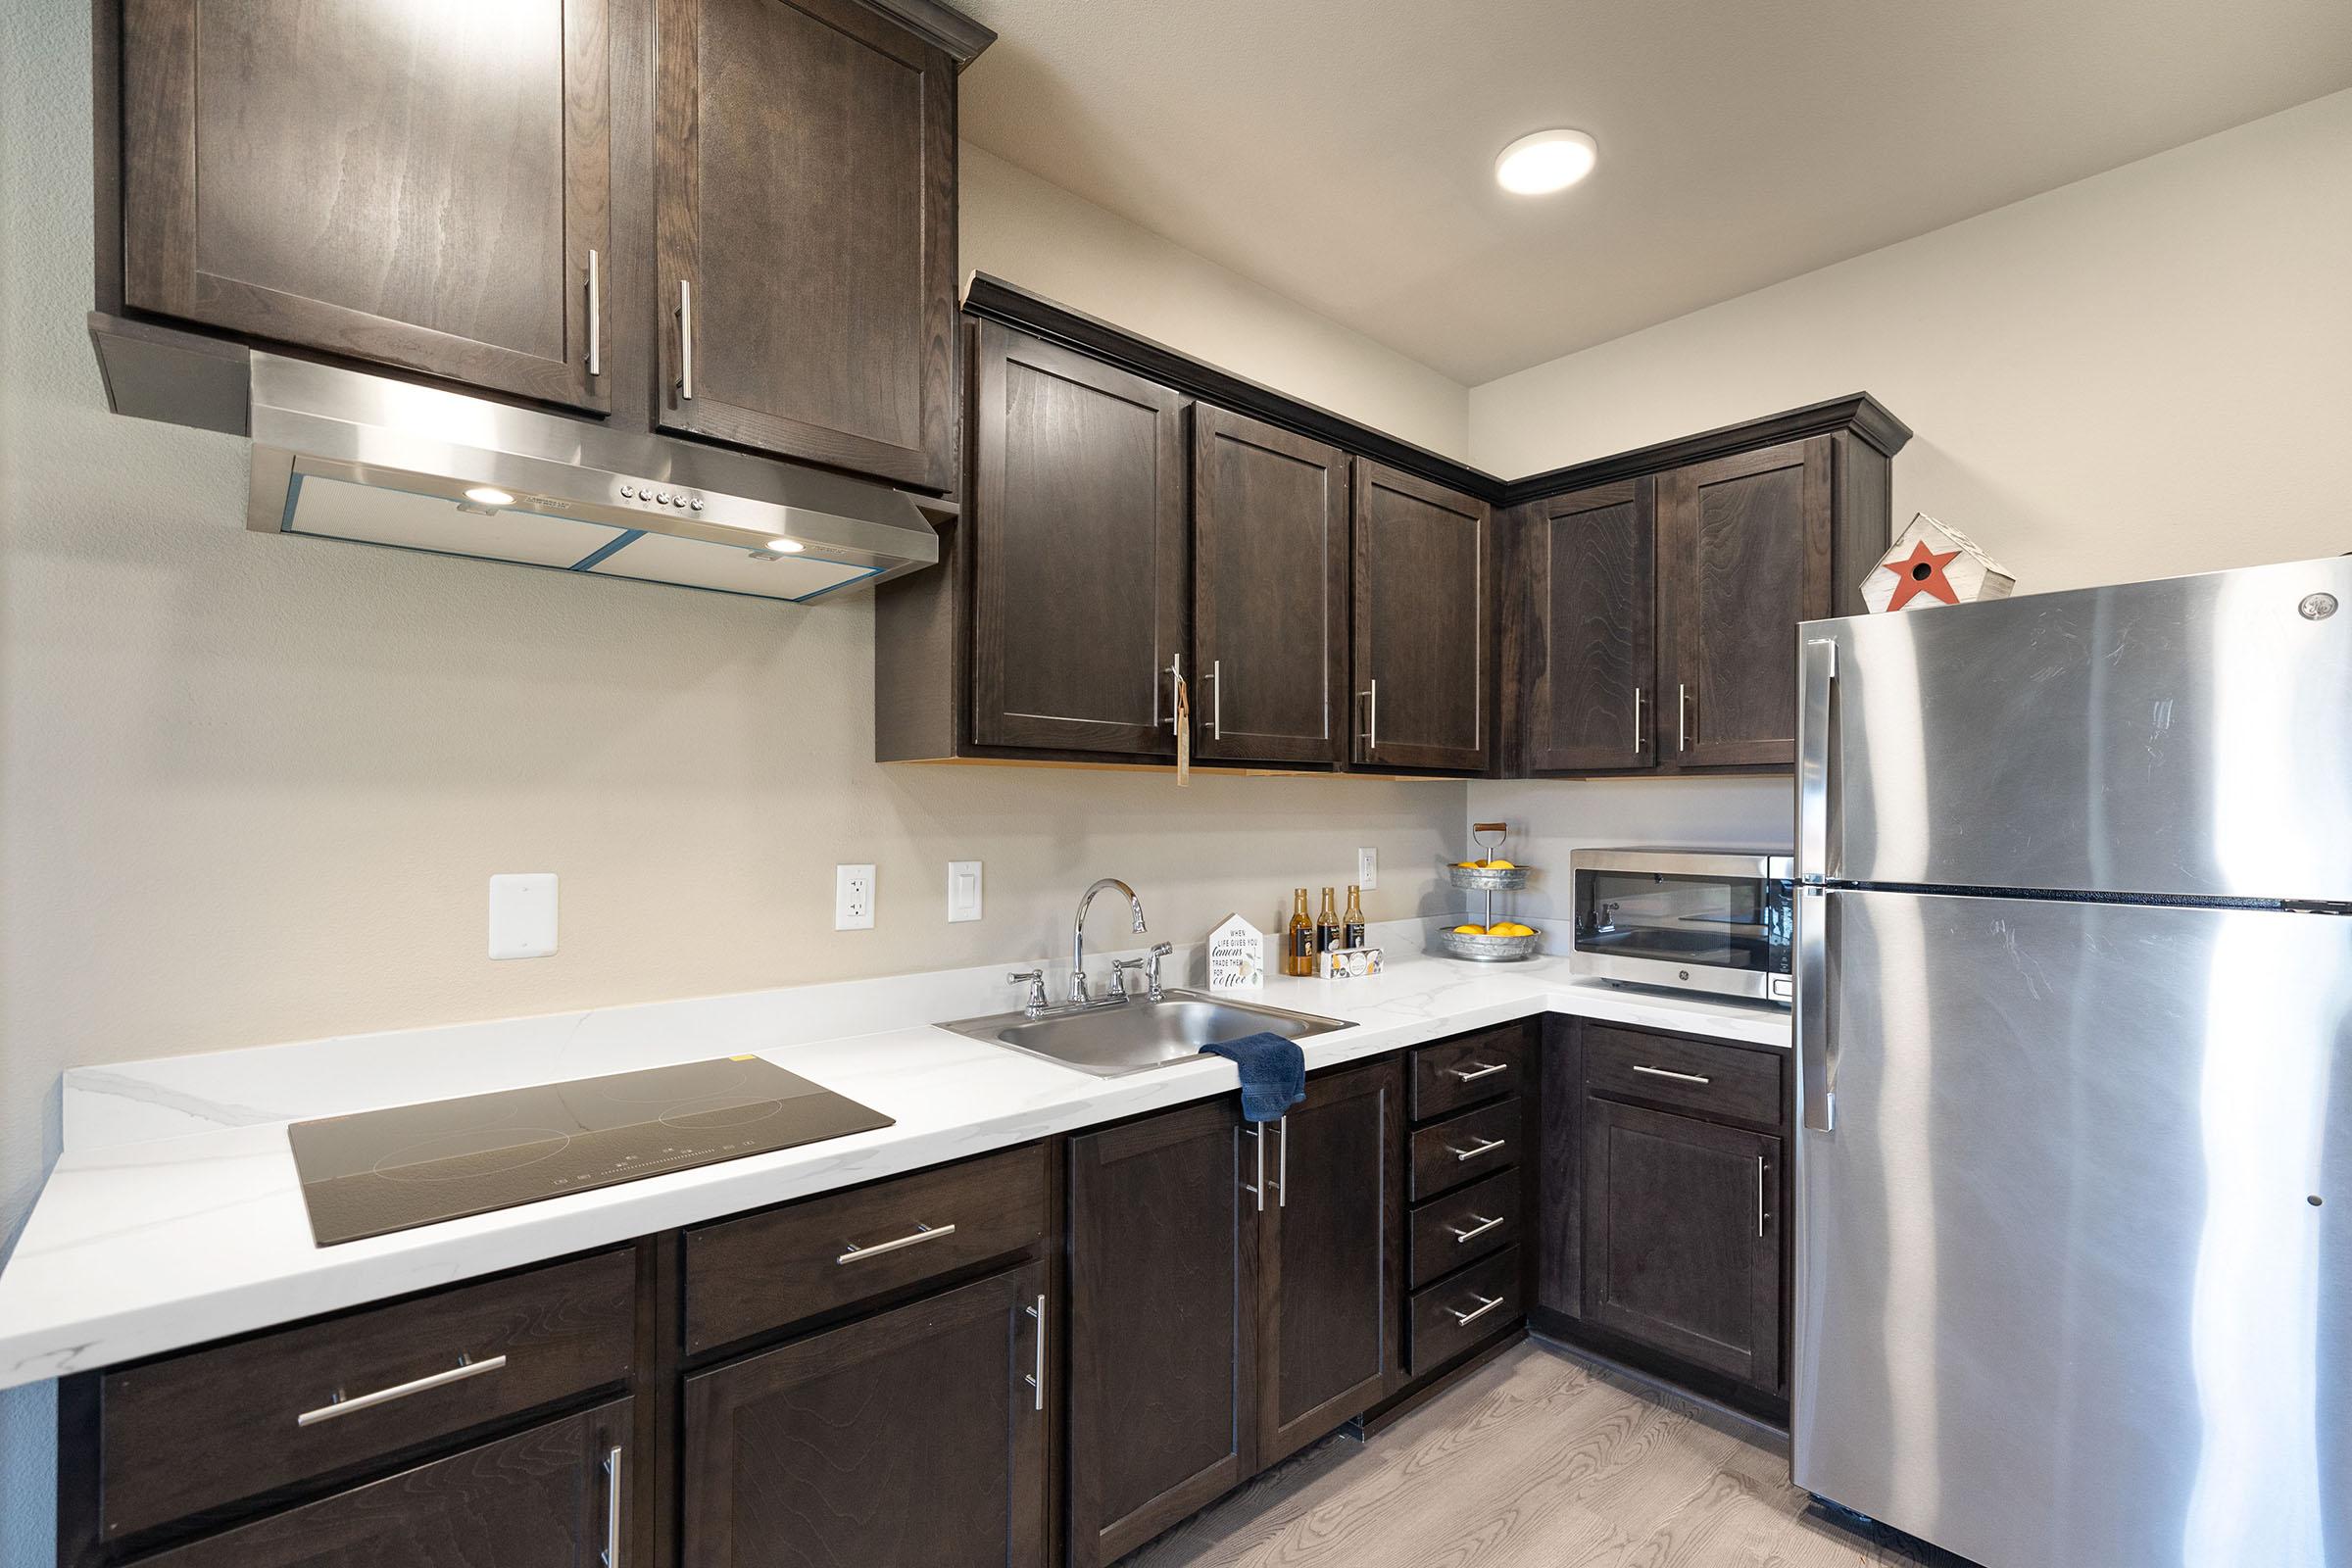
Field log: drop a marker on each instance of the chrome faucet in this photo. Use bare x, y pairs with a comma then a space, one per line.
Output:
1078, 996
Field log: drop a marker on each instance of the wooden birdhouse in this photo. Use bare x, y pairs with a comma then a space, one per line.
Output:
1933, 563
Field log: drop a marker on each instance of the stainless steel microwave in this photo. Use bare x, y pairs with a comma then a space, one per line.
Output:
1720, 921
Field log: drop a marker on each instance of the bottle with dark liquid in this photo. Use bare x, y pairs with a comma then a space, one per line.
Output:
1299, 945
1351, 923
1327, 926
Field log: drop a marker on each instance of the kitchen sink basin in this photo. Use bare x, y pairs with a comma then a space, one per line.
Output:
1115, 1037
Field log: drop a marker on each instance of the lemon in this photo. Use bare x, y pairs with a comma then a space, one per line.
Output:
1500, 865
1510, 928
1470, 931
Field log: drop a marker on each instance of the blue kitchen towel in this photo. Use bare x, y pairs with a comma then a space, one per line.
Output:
1273, 1073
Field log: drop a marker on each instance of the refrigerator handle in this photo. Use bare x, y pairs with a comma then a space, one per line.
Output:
1818, 673
1813, 1058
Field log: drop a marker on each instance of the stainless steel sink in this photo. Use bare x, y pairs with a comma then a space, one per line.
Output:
1113, 1039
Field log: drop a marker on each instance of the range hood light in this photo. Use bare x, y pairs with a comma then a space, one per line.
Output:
489, 495
789, 546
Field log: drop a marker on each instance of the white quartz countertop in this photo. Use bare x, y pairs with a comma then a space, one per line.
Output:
174, 1216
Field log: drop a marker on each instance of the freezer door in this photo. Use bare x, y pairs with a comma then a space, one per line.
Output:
2191, 736
2074, 1266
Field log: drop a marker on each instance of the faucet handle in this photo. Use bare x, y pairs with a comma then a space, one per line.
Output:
1035, 980
1119, 975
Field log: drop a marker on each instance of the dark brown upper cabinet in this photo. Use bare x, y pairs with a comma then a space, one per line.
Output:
1581, 659
1744, 555
1420, 623
423, 185
1075, 522
1269, 593
805, 205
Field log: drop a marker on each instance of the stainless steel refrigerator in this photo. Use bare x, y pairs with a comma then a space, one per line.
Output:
2074, 955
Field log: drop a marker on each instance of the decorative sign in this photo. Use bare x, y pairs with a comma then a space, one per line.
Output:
1933, 563
1350, 964
1237, 956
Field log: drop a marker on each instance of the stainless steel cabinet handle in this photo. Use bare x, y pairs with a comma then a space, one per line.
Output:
1483, 1226
1257, 1135
466, 1367
685, 341
1372, 716
1678, 1077
1475, 1313
1816, 1085
611, 1556
1682, 717
1475, 1150
1217, 700
915, 1237
1037, 1379
596, 324
1759, 1197
1470, 1075
1637, 719
1282, 1185
1175, 691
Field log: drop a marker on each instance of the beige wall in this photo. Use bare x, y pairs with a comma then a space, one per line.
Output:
1039, 235
2142, 373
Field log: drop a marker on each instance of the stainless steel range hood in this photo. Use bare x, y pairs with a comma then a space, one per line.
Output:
340, 453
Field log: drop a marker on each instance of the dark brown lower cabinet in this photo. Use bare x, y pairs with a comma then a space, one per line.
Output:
1331, 1241
1213, 1327
545, 1497
1682, 1245
914, 1436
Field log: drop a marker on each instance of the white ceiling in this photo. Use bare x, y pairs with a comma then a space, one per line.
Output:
1341, 153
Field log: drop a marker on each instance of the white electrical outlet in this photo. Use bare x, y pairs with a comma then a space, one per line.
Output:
522, 914
1367, 869
853, 898
963, 890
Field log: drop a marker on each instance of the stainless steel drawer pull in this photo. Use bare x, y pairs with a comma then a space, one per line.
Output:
610, 1555
1759, 1197
1636, 720
466, 1367
1483, 1226
1475, 1313
1475, 1150
596, 313
1471, 1075
685, 341
1681, 717
919, 1234
1037, 1379
1678, 1077
1217, 700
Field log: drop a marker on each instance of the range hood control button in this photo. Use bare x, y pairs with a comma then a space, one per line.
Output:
698, 503
628, 492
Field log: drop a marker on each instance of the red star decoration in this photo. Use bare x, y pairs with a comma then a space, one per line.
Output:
1921, 573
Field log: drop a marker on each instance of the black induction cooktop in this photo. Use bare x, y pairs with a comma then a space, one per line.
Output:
378, 1171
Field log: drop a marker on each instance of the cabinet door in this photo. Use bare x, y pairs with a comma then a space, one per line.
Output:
1590, 656
1269, 593
542, 1499
1420, 623
1077, 527
1164, 1291
1682, 1238
915, 1436
420, 184
1331, 1249
805, 211
1743, 546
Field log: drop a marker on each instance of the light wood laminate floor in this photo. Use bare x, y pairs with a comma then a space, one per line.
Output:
1536, 1460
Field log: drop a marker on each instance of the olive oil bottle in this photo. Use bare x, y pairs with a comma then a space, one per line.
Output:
1327, 926
1299, 947
1352, 930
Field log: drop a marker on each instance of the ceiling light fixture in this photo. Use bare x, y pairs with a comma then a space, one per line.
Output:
1546, 162
789, 546
489, 495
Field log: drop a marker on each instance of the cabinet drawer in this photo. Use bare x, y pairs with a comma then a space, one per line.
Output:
1690, 1075
1464, 1226
764, 1271
1487, 1065
1463, 1149
1464, 1310
195, 1431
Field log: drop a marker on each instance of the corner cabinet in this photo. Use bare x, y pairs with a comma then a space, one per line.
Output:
1590, 666
425, 185
805, 207
1421, 625
1233, 1297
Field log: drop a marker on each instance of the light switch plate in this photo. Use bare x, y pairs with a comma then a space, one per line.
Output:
853, 898
963, 890
522, 914
1367, 869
